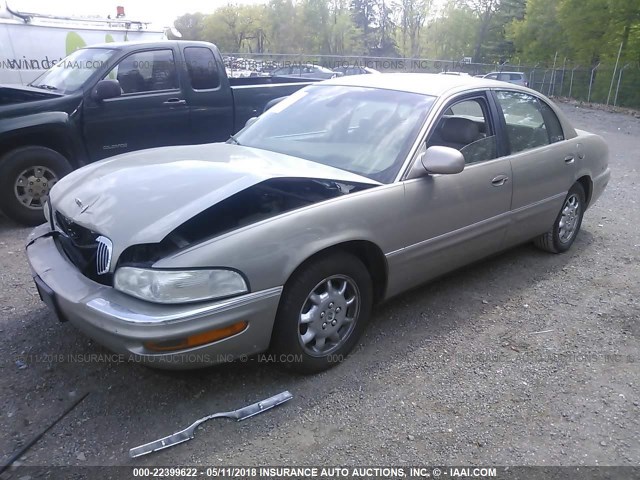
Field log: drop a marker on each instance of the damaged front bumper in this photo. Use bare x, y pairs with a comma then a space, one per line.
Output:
125, 324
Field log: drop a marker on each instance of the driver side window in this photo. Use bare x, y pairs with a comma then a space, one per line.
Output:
465, 126
146, 72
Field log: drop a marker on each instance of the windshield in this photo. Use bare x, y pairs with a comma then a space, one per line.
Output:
69, 74
366, 131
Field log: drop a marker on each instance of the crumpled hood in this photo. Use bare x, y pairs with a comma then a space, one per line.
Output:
141, 197
10, 94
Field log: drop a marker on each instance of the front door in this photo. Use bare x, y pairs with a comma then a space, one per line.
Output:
458, 218
151, 112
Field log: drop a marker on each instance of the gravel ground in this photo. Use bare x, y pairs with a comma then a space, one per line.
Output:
523, 359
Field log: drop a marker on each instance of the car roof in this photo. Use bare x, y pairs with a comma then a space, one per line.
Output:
422, 83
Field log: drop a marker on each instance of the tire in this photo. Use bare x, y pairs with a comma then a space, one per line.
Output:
26, 167
557, 239
329, 315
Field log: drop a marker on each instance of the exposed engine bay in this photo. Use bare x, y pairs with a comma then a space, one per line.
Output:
259, 202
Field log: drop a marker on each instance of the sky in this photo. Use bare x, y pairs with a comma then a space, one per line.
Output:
160, 12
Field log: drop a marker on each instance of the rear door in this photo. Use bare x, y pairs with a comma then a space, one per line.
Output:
151, 112
543, 162
209, 96
455, 219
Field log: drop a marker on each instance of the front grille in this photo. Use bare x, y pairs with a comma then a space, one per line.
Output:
87, 250
103, 255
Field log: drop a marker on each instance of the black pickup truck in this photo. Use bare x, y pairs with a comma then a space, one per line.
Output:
113, 98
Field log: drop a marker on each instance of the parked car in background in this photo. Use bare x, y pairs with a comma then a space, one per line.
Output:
450, 72
517, 78
114, 98
305, 71
339, 197
355, 70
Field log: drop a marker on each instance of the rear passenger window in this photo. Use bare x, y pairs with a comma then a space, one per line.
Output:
201, 65
465, 126
526, 126
554, 128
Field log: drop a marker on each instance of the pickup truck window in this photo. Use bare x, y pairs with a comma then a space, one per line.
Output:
148, 71
69, 74
201, 65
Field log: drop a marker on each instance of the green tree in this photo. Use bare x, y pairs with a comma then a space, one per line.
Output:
235, 28
585, 24
624, 27
452, 34
363, 15
413, 16
315, 26
485, 11
280, 17
344, 36
539, 34
190, 26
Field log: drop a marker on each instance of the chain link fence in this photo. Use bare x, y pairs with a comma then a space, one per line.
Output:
605, 84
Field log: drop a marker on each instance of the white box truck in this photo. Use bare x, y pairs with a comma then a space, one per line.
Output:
31, 43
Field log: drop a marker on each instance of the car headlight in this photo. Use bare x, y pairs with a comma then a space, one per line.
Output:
179, 286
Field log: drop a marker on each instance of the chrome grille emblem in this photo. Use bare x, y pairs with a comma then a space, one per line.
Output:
103, 255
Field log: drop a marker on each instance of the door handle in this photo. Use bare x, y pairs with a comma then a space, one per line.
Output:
569, 159
499, 180
175, 101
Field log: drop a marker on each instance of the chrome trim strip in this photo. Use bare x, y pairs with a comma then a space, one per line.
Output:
450, 234
540, 202
119, 312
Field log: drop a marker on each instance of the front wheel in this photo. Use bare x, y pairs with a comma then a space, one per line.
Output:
26, 177
567, 225
323, 311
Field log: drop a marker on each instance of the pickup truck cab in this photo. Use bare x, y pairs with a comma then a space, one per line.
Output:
114, 98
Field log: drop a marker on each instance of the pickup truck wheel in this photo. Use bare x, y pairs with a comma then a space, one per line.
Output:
324, 309
26, 177
567, 225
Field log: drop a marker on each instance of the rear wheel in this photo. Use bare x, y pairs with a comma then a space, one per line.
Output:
26, 177
567, 225
324, 309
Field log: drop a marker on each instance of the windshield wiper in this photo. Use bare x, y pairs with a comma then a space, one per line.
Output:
45, 86
233, 140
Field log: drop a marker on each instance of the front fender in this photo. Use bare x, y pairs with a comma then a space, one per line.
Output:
269, 251
54, 130
35, 120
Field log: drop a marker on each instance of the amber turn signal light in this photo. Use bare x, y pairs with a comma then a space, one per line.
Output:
196, 340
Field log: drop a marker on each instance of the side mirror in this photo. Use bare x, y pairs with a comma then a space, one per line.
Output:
106, 89
250, 122
443, 160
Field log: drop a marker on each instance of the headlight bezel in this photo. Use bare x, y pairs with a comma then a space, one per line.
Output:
147, 277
